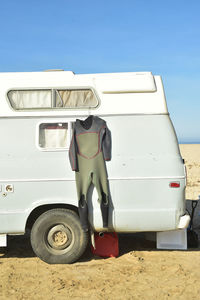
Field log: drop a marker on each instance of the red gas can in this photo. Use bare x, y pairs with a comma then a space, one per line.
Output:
106, 244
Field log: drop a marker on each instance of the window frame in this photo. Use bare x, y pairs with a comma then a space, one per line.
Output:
53, 121
54, 91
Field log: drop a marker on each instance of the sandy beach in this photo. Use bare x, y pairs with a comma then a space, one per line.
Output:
140, 272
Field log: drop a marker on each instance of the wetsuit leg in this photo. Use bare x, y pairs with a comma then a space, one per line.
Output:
92, 171
101, 183
104, 209
83, 181
83, 212
103, 199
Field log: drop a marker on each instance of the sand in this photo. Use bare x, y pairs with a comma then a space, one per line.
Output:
191, 155
140, 272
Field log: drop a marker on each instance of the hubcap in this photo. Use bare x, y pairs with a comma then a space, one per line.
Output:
59, 237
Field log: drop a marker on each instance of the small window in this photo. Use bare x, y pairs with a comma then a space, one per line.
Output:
53, 135
52, 99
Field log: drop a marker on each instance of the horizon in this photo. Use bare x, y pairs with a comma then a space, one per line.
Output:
189, 143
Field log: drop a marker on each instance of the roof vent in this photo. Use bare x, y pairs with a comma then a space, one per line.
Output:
53, 70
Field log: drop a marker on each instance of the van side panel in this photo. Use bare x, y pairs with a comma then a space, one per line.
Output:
145, 159
17, 206
148, 205
144, 146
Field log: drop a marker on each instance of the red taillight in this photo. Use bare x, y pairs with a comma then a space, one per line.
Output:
174, 184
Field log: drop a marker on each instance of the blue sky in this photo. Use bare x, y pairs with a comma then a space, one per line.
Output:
111, 36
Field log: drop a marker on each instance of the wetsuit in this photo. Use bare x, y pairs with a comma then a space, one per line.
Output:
90, 147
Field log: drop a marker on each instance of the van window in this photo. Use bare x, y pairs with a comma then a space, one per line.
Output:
53, 135
52, 99
75, 98
30, 99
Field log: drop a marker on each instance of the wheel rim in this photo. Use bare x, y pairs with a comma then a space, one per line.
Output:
59, 239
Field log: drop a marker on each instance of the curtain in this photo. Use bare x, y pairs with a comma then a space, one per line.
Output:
30, 99
75, 98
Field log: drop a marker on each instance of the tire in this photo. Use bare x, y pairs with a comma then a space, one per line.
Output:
57, 237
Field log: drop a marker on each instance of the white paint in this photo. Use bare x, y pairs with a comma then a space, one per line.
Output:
120, 93
126, 83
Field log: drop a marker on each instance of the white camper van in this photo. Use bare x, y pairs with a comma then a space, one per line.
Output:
37, 186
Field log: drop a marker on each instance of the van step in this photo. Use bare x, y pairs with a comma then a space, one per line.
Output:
3, 240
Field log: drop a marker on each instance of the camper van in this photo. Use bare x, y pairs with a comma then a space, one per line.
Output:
146, 174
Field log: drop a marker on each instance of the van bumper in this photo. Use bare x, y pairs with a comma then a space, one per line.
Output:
184, 222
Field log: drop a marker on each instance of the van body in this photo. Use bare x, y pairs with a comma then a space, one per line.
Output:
146, 174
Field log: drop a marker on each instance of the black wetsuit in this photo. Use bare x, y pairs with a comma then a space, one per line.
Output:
89, 148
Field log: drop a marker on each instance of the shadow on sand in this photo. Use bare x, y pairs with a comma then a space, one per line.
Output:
20, 246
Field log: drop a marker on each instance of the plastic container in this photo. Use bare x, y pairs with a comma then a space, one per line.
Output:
106, 244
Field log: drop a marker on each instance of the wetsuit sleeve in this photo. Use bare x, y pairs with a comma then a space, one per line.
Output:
73, 153
106, 144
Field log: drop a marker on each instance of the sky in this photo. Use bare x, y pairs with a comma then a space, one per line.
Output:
95, 36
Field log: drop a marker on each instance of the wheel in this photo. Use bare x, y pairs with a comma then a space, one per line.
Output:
57, 237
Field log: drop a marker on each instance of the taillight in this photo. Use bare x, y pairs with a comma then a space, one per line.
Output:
175, 184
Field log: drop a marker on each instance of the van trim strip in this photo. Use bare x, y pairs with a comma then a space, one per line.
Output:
109, 178
74, 116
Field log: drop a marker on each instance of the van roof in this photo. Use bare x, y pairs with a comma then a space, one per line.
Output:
106, 82
125, 92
